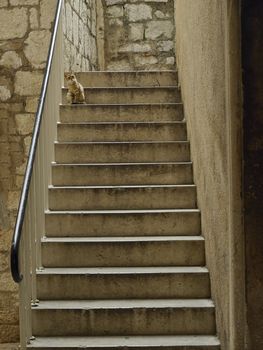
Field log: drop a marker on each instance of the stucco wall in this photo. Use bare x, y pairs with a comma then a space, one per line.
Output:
211, 102
139, 34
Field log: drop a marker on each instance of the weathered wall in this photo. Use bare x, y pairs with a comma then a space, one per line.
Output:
252, 43
80, 32
207, 44
24, 39
139, 34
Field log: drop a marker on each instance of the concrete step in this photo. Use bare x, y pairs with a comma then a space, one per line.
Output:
123, 251
157, 342
132, 78
121, 112
123, 222
122, 131
122, 174
124, 317
123, 283
110, 152
106, 95
122, 197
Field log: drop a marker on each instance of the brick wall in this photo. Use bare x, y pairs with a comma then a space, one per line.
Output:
139, 34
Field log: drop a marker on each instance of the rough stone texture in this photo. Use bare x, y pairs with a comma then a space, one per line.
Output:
24, 41
80, 33
252, 55
14, 23
209, 67
139, 34
25, 32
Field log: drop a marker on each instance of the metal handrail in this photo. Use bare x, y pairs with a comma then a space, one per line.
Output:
17, 276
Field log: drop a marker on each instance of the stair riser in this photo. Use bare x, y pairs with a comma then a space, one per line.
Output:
116, 79
133, 286
164, 321
122, 175
133, 224
127, 95
122, 198
128, 113
142, 152
154, 253
161, 347
121, 132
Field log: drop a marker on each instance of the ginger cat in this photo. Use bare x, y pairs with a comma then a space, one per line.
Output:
75, 89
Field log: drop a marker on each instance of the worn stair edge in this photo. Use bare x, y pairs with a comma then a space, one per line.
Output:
128, 342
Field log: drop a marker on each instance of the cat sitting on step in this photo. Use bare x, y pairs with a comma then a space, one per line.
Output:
75, 89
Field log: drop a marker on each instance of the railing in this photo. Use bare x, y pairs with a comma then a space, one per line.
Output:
30, 223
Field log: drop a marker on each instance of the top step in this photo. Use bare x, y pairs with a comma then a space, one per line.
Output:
127, 79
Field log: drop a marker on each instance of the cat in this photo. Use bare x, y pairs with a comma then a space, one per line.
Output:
75, 89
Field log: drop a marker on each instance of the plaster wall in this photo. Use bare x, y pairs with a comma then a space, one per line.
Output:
208, 60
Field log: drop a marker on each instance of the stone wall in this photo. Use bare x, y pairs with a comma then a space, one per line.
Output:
80, 42
24, 40
208, 60
139, 34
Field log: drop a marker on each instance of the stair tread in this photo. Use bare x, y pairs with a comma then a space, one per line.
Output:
119, 142
124, 341
84, 105
168, 122
122, 239
124, 163
121, 186
125, 304
143, 211
123, 270
146, 87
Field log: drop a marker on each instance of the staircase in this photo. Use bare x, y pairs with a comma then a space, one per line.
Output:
123, 259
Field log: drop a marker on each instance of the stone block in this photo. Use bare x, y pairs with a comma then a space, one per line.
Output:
158, 29
14, 23
136, 13
13, 200
114, 2
33, 18
11, 59
27, 144
5, 93
136, 31
165, 46
134, 47
28, 83
115, 11
144, 61
47, 13
3, 3
170, 60
36, 48
24, 123
9, 333
24, 2
31, 104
